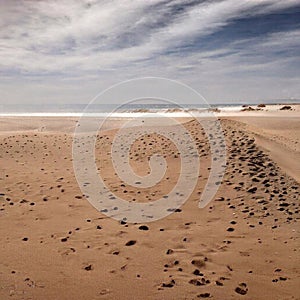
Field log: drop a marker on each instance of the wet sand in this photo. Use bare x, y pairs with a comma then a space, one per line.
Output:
243, 245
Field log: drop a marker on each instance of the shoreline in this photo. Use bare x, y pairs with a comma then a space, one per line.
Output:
169, 112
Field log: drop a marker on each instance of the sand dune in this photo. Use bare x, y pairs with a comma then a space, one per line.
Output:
280, 139
243, 245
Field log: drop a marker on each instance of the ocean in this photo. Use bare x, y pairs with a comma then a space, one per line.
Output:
117, 110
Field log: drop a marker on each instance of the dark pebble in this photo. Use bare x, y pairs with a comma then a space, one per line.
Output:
88, 268
204, 295
130, 243
143, 227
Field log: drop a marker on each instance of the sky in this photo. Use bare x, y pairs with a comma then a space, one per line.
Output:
62, 52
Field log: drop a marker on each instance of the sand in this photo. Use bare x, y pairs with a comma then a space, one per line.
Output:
243, 245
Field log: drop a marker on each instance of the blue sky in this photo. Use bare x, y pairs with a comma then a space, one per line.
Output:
229, 51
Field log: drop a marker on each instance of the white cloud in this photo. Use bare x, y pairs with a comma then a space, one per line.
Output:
121, 39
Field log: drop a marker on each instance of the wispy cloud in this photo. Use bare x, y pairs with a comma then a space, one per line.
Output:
194, 41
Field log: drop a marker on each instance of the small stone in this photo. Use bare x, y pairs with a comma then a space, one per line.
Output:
197, 273
170, 284
282, 278
130, 243
252, 190
88, 268
204, 295
240, 291
143, 227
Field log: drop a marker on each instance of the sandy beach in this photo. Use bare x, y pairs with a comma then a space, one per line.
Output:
243, 245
